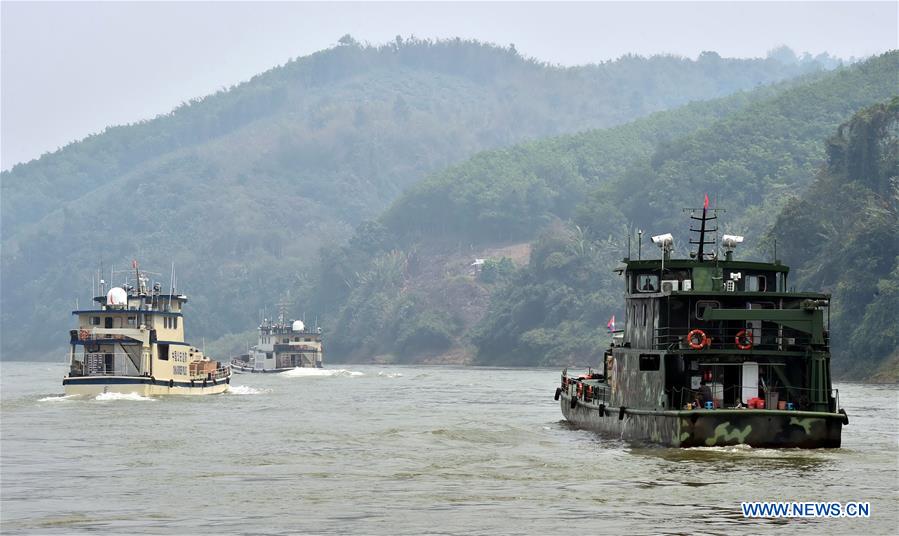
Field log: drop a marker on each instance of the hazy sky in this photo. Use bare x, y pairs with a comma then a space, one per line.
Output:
70, 69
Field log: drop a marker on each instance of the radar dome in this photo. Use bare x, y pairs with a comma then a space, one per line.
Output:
298, 325
116, 296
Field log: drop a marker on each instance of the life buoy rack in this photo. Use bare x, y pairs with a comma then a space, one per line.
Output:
697, 339
743, 339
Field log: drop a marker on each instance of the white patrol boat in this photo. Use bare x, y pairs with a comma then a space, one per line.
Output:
133, 342
282, 345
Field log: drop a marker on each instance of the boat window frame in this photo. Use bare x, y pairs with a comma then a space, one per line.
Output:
760, 280
650, 362
698, 309
641, 282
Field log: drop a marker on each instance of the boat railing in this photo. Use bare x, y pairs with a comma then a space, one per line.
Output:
737, 338
587, 390
775, 398
103, 335
104, 364
220, 373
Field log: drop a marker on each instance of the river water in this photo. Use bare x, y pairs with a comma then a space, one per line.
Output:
403, 450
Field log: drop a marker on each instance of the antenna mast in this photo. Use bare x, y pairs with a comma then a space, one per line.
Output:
703, 229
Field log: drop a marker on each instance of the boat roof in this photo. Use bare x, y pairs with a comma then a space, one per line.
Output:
656, 264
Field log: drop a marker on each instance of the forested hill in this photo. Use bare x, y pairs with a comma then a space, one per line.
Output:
241, 188
582, 194
842, 235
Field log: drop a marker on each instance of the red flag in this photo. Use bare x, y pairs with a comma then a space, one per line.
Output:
611, 324
706, 204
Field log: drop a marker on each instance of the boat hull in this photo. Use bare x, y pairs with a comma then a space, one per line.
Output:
709, 428
141, 385
248, 369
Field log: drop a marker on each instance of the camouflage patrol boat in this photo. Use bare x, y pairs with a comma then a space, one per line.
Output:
714, 352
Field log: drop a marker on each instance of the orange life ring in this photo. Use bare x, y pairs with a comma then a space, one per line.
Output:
84, 334
699, 344
743, 339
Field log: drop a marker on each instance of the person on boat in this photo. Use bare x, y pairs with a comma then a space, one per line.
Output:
705, 393
697, 400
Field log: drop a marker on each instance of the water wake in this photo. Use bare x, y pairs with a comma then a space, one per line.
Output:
727, 449
319, 373
747, 450
390, 374
57, 398
246, 390
106, 397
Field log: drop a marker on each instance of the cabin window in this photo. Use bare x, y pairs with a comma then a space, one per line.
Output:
175, 322
108, 322
756, 283
649, 362
285, 340
644, 314
132, 320
95, 320
702, 304
163, 352
647, 283
296, 339
307, 339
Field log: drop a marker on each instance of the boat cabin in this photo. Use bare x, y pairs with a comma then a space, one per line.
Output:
709, 332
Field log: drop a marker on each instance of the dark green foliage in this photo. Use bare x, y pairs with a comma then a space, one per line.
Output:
496, 271
241, 189
751, 150
842, 235
427, 332
550, 311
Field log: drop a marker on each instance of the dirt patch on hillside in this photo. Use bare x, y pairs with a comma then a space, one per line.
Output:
447, 279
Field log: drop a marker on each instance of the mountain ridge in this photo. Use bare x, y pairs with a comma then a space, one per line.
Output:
241, 189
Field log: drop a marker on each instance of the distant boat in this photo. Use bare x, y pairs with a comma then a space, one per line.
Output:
133, 342
282, 345
713, 352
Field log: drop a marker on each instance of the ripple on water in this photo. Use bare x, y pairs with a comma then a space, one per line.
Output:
319, 373
466, 450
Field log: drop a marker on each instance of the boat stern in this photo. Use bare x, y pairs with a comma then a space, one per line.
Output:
759, 428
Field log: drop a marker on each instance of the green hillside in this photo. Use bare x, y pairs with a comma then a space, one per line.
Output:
842, 235
752, 153
242, 188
